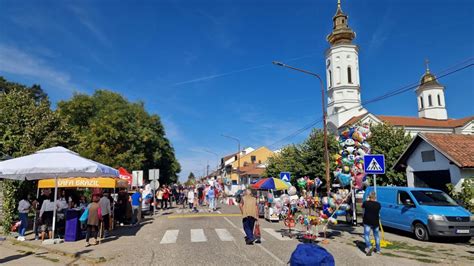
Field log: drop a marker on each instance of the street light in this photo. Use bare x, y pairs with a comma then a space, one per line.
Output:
217, 156
238, 154
326, 153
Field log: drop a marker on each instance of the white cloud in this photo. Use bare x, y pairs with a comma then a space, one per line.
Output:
17, 62
85, 19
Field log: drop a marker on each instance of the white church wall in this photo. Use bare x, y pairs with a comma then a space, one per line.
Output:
467, 129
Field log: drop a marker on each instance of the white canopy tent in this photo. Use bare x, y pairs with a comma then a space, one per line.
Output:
53, 163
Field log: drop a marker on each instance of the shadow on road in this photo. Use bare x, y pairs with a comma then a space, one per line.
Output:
14, 257
360, 245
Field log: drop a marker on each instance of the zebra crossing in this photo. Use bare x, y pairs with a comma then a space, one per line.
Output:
199, 235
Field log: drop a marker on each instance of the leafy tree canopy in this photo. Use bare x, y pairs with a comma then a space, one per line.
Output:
116, 132
391, 142
305, 159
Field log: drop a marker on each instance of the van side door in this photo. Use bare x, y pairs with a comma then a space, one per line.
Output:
406, 210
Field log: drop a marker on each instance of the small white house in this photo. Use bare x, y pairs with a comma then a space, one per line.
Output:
435, 160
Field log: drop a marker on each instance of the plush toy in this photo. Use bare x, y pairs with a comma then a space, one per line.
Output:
292, 191
270, 197
349, 142
350, 150
301, 182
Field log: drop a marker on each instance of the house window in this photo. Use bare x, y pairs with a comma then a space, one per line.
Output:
349, 75
439, 100
421, 102
253, 159
430, 102
428, 156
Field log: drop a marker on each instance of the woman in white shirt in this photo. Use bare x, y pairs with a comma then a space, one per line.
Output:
23, 209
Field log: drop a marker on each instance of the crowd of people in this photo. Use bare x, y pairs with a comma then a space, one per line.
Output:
106, 209
191, 197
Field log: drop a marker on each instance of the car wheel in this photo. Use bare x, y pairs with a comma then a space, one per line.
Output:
421, 233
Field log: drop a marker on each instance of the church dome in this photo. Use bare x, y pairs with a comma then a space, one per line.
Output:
428, 79
341, 32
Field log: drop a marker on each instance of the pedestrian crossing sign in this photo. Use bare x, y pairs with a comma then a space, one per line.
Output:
285, 176
374, 164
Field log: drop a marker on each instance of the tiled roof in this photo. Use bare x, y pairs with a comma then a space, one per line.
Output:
408, 121
252, 169
424, 122
227, 157
353, 120
458, 148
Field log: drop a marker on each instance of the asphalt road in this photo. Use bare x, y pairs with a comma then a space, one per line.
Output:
177, 237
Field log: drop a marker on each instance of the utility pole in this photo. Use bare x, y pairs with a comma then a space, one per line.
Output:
238, 154
326, 152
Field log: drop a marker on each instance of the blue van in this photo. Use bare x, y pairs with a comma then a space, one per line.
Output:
425, 212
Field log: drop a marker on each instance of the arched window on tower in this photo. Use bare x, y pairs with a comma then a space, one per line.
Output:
338, 75
430, 102
439, 100
349, 75
421, 102
330, 78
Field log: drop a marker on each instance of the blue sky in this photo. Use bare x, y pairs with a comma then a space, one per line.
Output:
205, 66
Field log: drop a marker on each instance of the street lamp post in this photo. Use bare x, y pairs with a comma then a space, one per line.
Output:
238, 155
217, 156
326, 152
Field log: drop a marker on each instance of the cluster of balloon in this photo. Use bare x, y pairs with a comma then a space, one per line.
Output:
302, 181
330, 210
350, 159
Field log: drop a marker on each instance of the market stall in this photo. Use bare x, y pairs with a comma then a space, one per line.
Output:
57, 162
271, 185
71, 215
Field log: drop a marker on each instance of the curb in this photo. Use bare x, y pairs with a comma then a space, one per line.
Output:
58, 252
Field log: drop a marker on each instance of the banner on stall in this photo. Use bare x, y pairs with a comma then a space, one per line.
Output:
98, 182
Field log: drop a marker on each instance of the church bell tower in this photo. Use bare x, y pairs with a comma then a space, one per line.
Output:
342, 72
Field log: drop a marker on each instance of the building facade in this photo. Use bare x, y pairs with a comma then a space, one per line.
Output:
344, 91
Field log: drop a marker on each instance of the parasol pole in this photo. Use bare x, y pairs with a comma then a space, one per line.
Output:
55, 205
35, 224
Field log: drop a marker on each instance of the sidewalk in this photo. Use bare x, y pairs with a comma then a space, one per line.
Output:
104, 251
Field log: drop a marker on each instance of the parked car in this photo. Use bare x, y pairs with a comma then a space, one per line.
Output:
425, 212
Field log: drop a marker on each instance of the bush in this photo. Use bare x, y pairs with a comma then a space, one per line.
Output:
464, 197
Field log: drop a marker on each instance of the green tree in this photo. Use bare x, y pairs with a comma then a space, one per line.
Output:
116, 132
391, 142
305, 159
289, 159
27, 124
465, 197
313, 153
191, 179
35, 90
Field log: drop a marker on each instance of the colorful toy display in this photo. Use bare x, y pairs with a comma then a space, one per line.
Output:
350, 159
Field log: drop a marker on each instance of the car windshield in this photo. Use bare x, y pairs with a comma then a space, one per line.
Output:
433, 198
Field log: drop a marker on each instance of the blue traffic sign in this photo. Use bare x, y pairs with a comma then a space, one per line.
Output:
374, 164
285, 176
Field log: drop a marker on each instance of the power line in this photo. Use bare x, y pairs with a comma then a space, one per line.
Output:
446, 72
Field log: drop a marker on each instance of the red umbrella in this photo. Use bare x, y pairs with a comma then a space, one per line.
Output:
125, 175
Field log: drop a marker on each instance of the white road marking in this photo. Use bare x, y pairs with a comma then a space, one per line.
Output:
170, 237
258, 245
197, 235
275, 234
224, 235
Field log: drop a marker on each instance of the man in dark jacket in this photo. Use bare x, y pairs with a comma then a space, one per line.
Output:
371, 221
